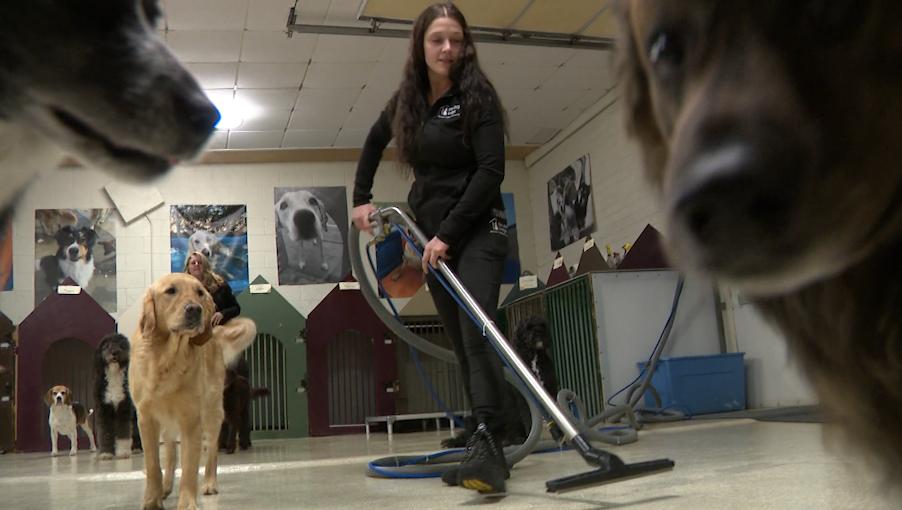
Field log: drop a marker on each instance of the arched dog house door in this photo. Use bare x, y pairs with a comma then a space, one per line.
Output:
278, 361
70, 362
56, 345
352, 366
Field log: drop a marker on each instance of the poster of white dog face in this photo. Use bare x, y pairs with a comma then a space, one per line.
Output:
571, 214
217, 231
79, 244
311, 229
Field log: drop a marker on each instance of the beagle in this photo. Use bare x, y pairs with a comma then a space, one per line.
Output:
65, 418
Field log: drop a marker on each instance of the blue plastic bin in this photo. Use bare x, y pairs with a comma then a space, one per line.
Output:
699, 384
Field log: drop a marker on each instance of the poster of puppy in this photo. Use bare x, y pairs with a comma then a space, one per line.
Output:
79, 244
6, 252
217, 231
311, 229
571, 215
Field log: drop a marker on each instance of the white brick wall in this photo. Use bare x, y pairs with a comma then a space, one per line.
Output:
143, 245
623, 202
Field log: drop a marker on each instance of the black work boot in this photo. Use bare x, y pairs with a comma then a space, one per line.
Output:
484, 468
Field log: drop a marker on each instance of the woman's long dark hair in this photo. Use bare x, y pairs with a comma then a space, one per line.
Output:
409, 104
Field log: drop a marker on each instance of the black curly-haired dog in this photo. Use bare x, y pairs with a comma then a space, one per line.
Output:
532, 341
118, 422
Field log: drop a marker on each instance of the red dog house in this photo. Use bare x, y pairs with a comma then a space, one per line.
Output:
56, 346
350, 364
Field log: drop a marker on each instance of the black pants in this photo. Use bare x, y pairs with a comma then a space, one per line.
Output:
479, 263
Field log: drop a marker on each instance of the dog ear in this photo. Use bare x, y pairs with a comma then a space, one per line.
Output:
321, 212
48, 397
209, 310
67, 400
640, 117
148, 322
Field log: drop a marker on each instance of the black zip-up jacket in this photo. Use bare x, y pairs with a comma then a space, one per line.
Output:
457, 178
226, 303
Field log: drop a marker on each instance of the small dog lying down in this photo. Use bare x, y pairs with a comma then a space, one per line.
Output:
771, 131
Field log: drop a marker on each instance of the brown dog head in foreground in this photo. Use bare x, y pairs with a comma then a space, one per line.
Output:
771, 131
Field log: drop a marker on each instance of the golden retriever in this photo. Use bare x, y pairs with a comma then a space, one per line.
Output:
176, 378
771, 132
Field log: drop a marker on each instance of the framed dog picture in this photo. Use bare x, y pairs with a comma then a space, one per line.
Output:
79, 244
311, 230
571, 215
217, 231
6, 252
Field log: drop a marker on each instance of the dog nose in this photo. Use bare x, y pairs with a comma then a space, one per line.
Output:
193, 311
736, 199
73, 251
304, 219
198, 110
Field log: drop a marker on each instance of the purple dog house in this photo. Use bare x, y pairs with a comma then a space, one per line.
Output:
56, 346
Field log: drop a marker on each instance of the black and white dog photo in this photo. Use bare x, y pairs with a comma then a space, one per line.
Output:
311, 228
119, 436
571, 215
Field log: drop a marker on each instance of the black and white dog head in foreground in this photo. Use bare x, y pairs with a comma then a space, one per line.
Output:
94, 79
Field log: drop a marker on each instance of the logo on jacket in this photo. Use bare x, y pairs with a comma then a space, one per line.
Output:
449, 112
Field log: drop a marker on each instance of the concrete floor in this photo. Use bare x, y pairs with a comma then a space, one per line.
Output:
736, 464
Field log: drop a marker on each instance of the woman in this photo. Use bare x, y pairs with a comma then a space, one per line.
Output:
448, 124
227, 307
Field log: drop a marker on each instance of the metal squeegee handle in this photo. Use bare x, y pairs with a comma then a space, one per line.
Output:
489, 328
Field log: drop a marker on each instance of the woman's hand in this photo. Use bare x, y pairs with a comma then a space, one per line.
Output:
434, 250
360, 215
217, 318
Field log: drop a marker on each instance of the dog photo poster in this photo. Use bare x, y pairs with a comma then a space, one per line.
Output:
79, 244
6, 252
571, 215
311, 229
217, 231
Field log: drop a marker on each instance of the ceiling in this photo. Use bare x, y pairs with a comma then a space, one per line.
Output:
317, 91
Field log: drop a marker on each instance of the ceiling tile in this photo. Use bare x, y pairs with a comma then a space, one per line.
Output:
206, 14
386, 75
331, 75
273, 46
205, 45
270, 76
366, 110
344, 48
313, 11
494, 53
309, 137
254, 139
214, 75
342, 12
266, 119
351, 137
579, 78
591, 58
511, 76
269, 99
322, 108
395, 50
268, 14
219, 140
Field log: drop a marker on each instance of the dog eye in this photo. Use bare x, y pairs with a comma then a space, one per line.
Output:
200, 293
283, 206
666, 49
171, 291
152, 11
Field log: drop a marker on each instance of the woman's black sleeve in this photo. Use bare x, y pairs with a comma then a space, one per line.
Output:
487, 138
370, 156
227, 305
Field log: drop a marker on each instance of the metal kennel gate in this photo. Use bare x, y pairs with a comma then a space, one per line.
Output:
267, 361
413, 396
352, 395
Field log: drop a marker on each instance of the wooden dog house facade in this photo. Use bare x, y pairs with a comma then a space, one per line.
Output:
57, 342
278, 361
